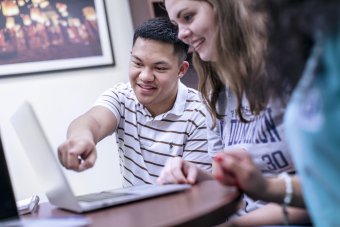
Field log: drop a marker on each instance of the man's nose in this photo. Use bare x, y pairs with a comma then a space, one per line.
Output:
147, 75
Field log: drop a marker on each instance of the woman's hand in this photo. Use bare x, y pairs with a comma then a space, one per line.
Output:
236, 168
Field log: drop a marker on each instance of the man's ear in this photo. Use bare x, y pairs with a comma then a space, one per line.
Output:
183, 69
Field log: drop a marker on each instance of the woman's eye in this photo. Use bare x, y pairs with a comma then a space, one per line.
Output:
187, 17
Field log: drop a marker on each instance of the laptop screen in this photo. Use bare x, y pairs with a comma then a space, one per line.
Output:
8, 208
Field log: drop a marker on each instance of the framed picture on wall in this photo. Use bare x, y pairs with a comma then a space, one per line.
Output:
53, 35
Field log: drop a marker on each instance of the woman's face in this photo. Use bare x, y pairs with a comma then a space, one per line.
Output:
196, 25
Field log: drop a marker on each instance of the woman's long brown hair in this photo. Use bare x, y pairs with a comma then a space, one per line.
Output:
240, 66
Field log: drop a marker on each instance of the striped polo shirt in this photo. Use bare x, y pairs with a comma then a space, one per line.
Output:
146, 142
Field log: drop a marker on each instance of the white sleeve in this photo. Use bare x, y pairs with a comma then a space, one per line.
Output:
112, 99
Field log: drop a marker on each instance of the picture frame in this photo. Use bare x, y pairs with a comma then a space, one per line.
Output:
39, 36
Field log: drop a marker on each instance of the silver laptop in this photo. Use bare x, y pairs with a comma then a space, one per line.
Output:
52, 178
9, 215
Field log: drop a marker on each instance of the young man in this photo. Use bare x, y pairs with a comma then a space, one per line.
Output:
154, 116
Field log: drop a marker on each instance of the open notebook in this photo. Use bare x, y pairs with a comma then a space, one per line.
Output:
49, 171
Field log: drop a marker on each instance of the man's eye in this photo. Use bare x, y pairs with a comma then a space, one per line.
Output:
137, 63
161, 68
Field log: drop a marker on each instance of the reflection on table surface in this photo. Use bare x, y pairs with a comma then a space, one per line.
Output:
205, 204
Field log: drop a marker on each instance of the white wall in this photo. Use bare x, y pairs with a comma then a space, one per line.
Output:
60, 97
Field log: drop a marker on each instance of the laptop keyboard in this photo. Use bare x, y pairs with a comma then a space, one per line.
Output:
101, 196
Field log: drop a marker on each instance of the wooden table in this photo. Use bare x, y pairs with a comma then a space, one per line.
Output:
205, 204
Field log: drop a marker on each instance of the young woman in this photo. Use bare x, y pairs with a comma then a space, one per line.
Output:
302, 34
229, 42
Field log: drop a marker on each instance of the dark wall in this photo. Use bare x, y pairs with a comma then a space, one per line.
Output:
139, 11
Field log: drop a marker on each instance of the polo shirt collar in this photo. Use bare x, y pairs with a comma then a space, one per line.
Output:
179, 105
181, 98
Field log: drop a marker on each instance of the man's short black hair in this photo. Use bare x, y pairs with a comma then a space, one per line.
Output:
161, 29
